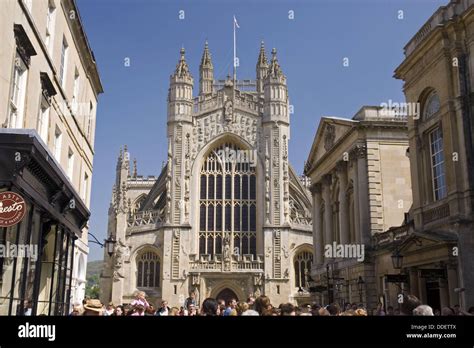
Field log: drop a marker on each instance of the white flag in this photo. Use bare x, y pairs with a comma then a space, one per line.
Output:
235, 22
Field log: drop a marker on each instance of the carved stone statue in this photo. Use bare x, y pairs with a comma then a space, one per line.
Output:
121, 252
228, 111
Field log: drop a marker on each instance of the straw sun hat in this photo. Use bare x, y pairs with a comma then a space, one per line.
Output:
93, 305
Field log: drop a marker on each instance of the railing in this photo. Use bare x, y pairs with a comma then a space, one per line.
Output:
142, 218
301, 220
436, 213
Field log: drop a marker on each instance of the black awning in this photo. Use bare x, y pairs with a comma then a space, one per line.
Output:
26, 164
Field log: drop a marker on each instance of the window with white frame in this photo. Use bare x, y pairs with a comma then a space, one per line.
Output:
85, 187
50, 18
63, 66
75, 92
43, 119
89, 120
17, 93
437, 164
57, 144
70, 164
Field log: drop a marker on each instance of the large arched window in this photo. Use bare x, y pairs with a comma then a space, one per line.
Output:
138, 203
303, 261
148, 270
432, 105
227, 205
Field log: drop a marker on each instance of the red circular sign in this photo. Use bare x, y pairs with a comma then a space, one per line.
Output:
12, 208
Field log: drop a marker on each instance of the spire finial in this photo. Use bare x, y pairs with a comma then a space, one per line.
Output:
182, 68
275, 69
206, 56
262, 61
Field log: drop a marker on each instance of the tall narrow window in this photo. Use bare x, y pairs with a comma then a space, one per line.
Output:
70, 164
148, 270
50, 25
43, 119
75, 92
57, 145
17, 93
89, 120
63, 66
437, 164
302, 263
85, 187
227, 203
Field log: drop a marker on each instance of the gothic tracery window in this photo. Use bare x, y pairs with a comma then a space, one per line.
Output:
227, 202
148, 270
302, 263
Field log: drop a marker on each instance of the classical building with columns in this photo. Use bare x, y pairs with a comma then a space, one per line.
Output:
435, 247
227, 216
361, 186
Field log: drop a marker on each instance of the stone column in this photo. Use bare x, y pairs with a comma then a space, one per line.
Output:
343, 203
355, 180
364, 204
317, 232
327, 179
361, 203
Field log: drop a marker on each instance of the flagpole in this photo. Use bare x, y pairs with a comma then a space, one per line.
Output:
235, 72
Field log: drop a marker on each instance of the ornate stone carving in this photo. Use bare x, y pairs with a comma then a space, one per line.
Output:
358, 151
329, 136
121, 253
316, 188
229, 111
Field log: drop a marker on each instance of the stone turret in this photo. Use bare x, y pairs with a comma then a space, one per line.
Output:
262, 68
206, 73
180, 95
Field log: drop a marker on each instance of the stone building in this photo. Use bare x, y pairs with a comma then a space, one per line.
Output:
49, 87
227, 216
361, 186
435, 247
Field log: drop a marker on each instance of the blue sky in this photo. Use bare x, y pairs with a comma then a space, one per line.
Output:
311, 48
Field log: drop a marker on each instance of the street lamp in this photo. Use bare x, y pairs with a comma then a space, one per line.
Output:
300, 291
109, 243
360, 284
397, 259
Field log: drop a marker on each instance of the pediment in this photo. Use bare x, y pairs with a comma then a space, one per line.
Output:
330, 131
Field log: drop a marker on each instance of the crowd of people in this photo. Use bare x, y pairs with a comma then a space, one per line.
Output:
256, 306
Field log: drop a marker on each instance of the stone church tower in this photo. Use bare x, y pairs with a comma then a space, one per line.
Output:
227, 216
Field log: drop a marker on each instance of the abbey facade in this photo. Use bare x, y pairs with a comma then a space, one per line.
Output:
228, 216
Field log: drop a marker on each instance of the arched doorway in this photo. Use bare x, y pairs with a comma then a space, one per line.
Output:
226, 295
